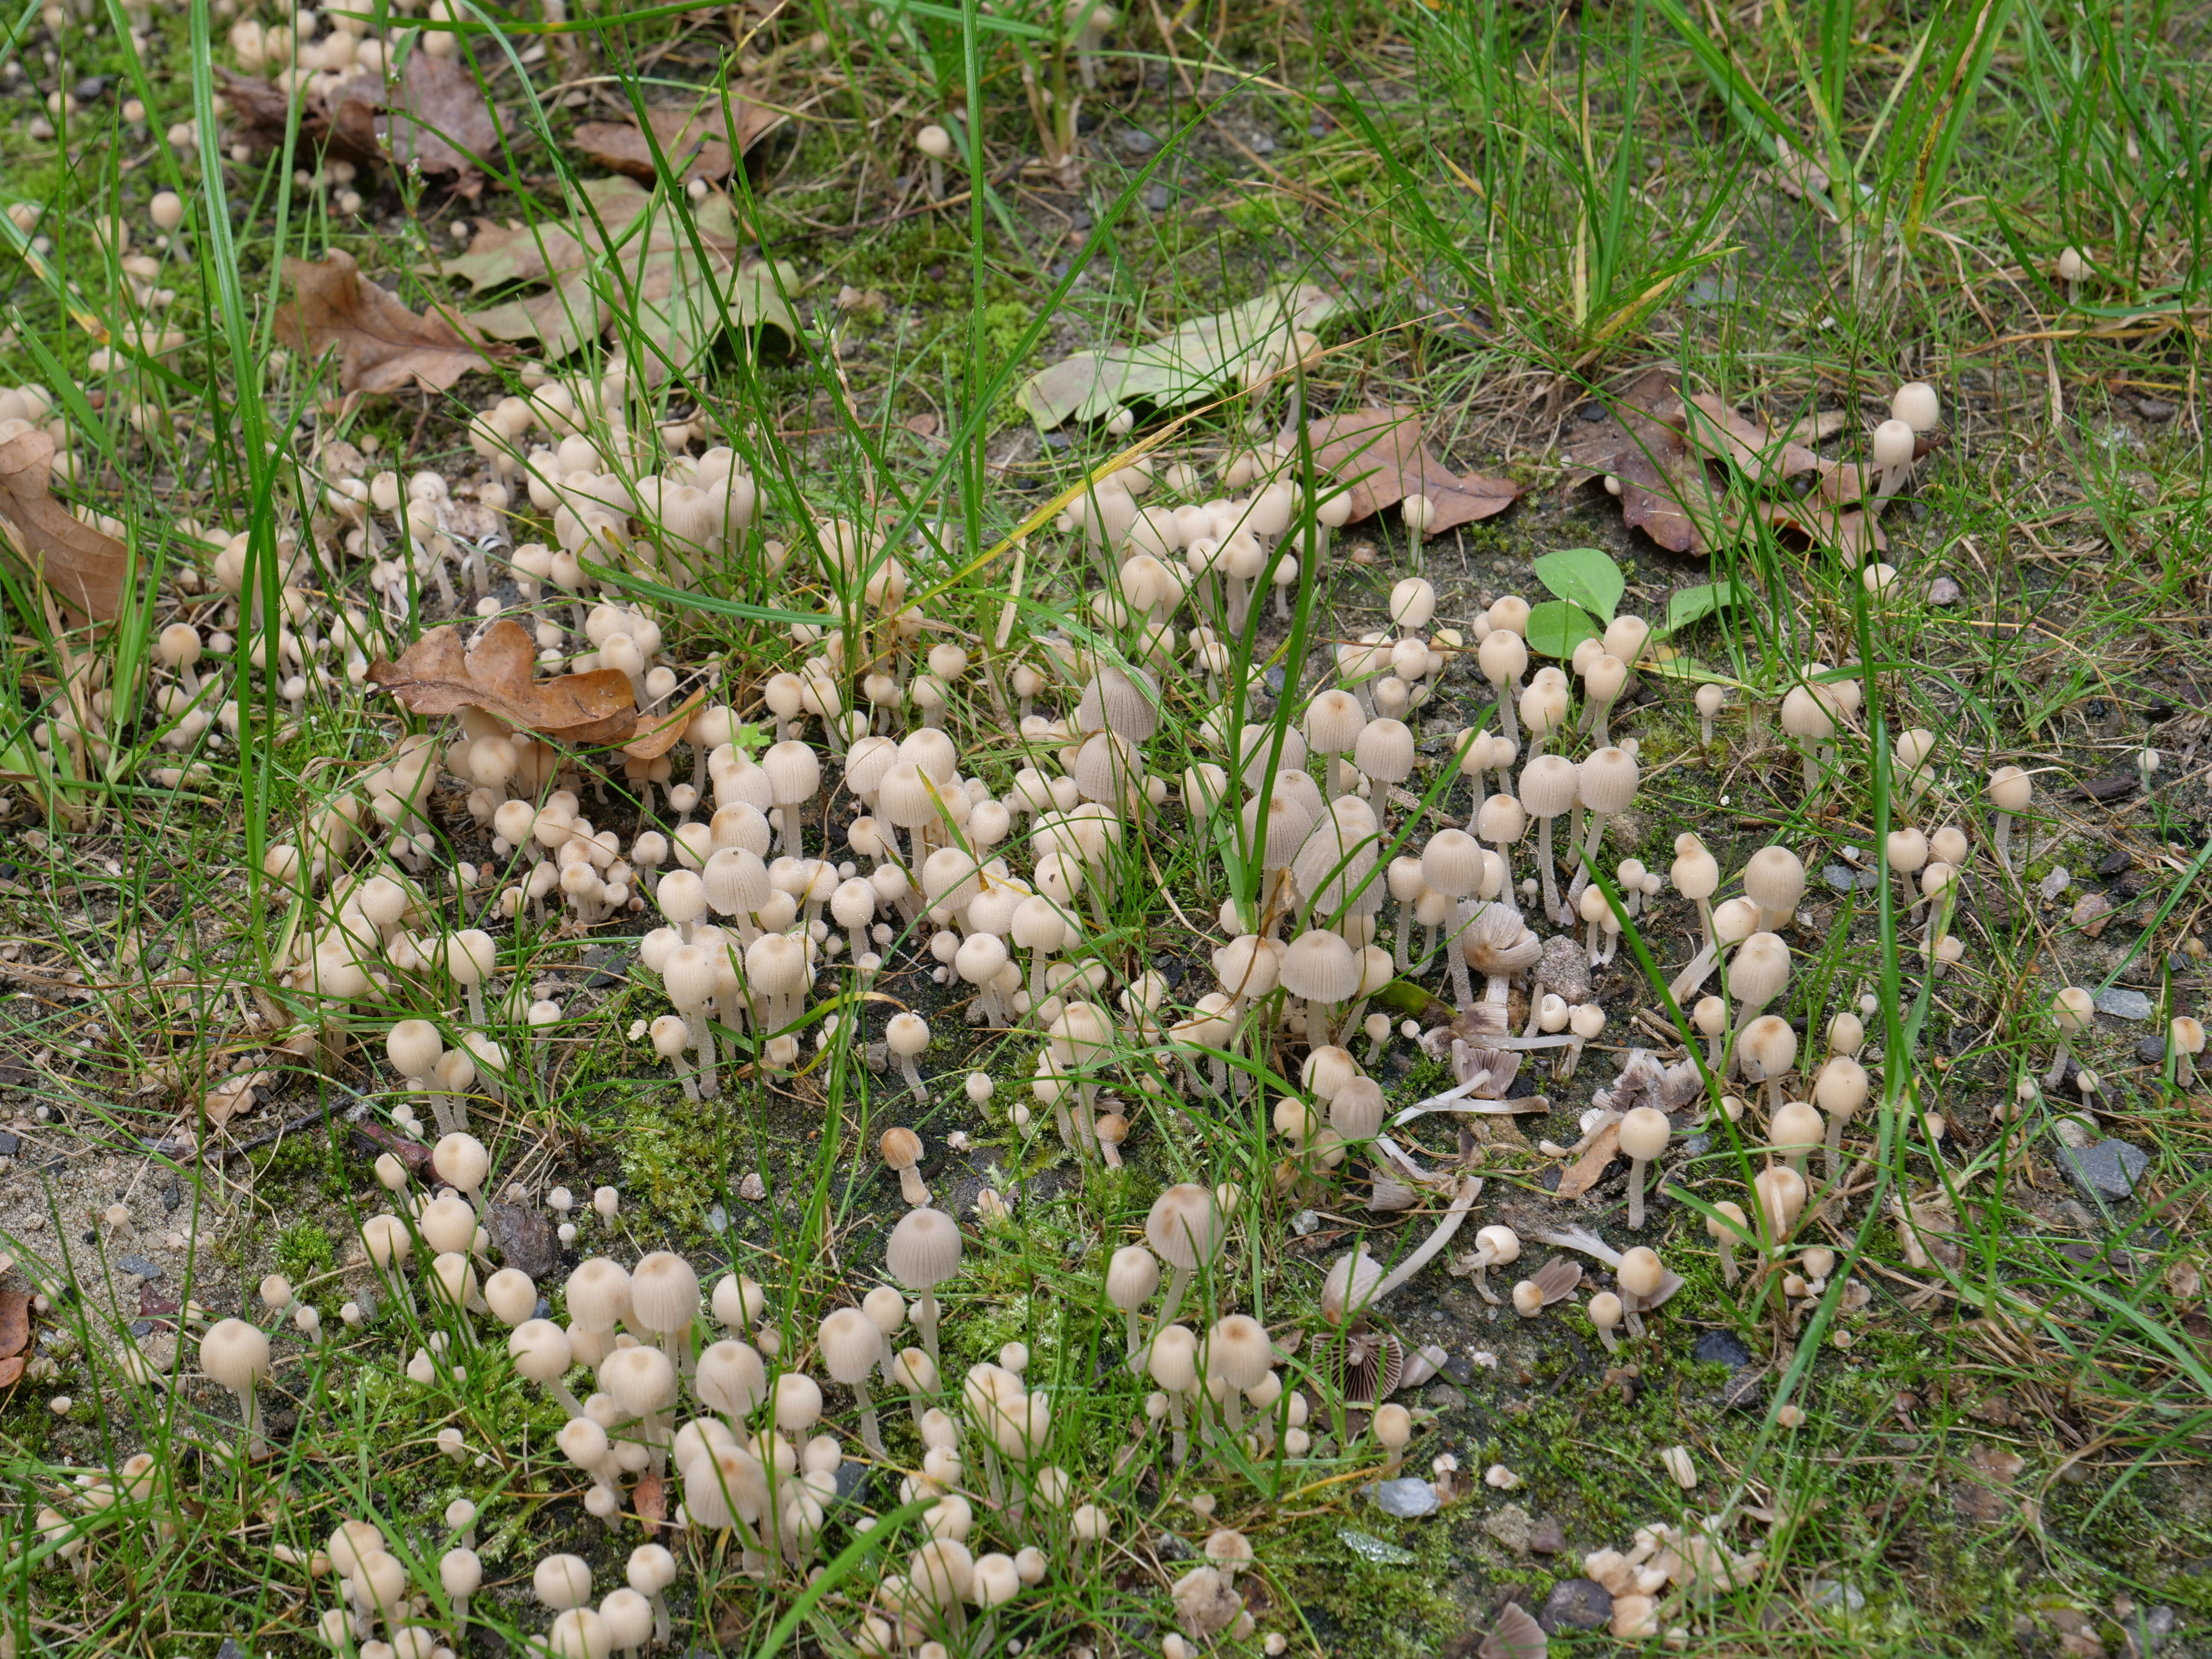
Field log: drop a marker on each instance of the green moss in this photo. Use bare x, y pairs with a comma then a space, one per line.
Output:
304, 1251
674, 1158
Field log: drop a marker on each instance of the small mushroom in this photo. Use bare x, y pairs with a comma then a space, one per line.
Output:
2184, 1041
1643, 1134
1605, 1312
1725, 1227
901, 1151
2073, 1011
1494, 1247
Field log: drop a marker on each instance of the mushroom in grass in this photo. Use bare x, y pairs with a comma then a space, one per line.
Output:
1185, 1230
1394, 1428
852, 1347
1710, 699
2184, 1041
1640, 1276
1605, 1313
1643, 1134
1494, 1247
923, 1252
235, 1355
1840, 1092
2073, 1012
1893, 442
1795, 1131
1727, 1227
2010, 790
935, 144
901, 1151
1132, 1276
906, 1035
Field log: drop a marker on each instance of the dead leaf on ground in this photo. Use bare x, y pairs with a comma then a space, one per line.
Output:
1665, 491
83, 566
603, 271
11, 1371
697, 142
1384, 456
1584, 1173
1818, 428
659, 734
1842, 483
650, 1499
437, 675
1854, 534
413, 1153
14, 1321
435, 119
382, 345
1995, 1463
1723, 435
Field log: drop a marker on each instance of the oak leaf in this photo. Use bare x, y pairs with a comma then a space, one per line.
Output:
1852, 533
659, 734
84, 566
697, 142
1584, 1174
437, 675
1384, 456
1664, 489
435, 119
1721, 435
11, 1371
382, 346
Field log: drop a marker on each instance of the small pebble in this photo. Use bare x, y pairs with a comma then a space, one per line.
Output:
1944, 591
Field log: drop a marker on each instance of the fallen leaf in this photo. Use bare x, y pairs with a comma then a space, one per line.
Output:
1382, 455
1664, 489
1250, 342
696, 143
14, 1321
525, 1237
11, 1371
1582, 1175
603, 271
1852, 532
382, 345
659, 734
1842, 483
83, 566
1721, 435
1818, 428
437, 675
413, 1153
434, 119
649, 1497
1995, 1463
152, 1304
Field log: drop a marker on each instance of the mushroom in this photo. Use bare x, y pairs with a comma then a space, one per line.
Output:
1725, 1226
2010, 791
1710, 699
1237, 1351
1494, 1247
1549, 787
1503, 657
1765, 1050
1502, 821
852, 1347
1186, 1229
1394, 1428
1132, 1276
907, 1035
901, 1151
1893, 442
460, 1574
2073, 1011
1607, 782
1774, 881
651, 1571
1605, 1313
935, 144
923, 1252
663, 1294
1643, 1134
1795, 1131
1603, 681
1640, 1276
1172, 1362
542, 1353
235, 1355
1840, 1092
2184, 1041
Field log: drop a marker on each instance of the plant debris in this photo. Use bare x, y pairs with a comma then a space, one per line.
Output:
82, 565
436, 676
434, 119
702, 141
382, 346
1381, 453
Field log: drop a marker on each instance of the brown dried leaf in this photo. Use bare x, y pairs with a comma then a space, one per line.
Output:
1664, 489
14, 1321
1381, 453
659, 734
695, 141
11, 1371
1818, 428
436, 676
413, 1153
1721, 435
439, 121
649, 1497
1584, 1174
1850, 531
382, 345
84, 566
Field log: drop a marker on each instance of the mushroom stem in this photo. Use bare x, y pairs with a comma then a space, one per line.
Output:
1177, 1286
913, 1082
1182, 1446
1468, 1187
1636, 1193
1728, 1274
1462, 991
1605, 1335
1482, 1278
1546, 863
2057, 1075
870, 1436
924, 1320
1835, 1145
1136, 1334
911, 1186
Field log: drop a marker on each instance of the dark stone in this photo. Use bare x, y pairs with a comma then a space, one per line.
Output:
90, 89
601, 979
1721, 1348
142, 1328
230, 1650
1157, 198
2114, 863
2156, 409
852, 1481
8, 1145
2114, 788
1591, 412
1575, 1604
2151, 1050
1081, 218
55, 1165
1139, 142
543, 1310
1169, 1548
139, 1265
2107, 1170
172, 1196
1058, 440
1547, 1537
1460, 1368
1744, 1391
525, 1239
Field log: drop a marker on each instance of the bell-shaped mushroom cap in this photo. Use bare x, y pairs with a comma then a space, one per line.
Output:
1288, 824
1796, 1126
730, 1378
735, 881
1644, 1132
794, 771
1356, 1111
1549, 784
1607, 781
460, 1572
628, 1617
2010, 789
1892, 444
1173, 1363
461, 1161
1639, 1272
1806, 716
651, 1569
1125, 701
511, 1296
1349, 1287
996, 1580
597, 1294
1040, 925
906, 1034
1758, 970
1237, 1351
1695, 872
1452, 863
1498, 942
2074, 1009
1132, 1275
413, 1047
1184, 1228
1255, 746
562, 1582
1625, 636
235, 1355
2186, 1034
941, 1572
923, 1249
1249, 966
1333, 721
1321, 967
1915, 404
640, 1380
1501, 1245
738, 1301
1768, 1046
1502, 656
663, 1292
1501, 819
851, 1346
1842, 1087
1385, 751
540, 1350
1775, 880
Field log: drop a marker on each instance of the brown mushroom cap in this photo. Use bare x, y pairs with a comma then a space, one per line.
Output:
900, 1147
